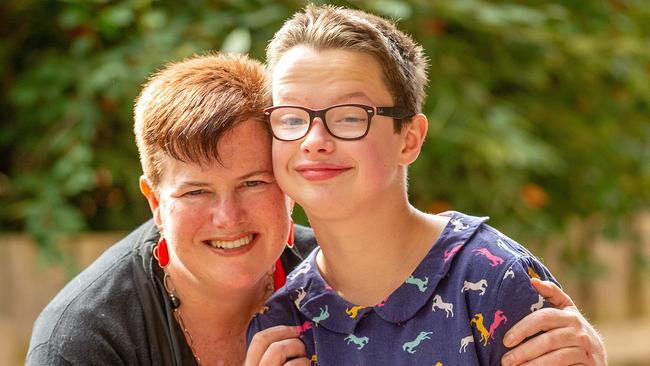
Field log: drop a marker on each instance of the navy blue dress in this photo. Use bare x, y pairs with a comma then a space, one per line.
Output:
454, 309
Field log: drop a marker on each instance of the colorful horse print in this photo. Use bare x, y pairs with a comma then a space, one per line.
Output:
421, 284
464, 342
446, 306
324, 314
410, 346
475, 286
360, 342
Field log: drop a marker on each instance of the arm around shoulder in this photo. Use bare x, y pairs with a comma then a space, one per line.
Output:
568, 337
514, 299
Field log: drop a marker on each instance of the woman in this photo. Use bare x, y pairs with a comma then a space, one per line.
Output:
182, 291
219, 213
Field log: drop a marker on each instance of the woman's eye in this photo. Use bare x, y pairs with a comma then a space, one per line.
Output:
253, 183
194, 193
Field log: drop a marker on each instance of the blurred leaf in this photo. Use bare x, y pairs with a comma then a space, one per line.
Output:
392, 9
539, 111
237, 41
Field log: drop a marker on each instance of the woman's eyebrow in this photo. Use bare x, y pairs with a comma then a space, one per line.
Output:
256, 173
192, 183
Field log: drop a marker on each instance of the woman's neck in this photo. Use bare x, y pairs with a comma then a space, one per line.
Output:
217, 318
368, 256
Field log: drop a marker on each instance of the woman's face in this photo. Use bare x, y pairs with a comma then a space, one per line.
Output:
225, 222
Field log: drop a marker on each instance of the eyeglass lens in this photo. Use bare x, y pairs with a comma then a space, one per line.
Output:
346, 122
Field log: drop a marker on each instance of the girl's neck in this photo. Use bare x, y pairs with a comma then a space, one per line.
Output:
367, 257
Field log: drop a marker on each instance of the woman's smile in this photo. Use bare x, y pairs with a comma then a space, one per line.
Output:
231, 244
233, 248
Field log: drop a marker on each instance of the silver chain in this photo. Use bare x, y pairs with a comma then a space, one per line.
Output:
171, 291
176, 304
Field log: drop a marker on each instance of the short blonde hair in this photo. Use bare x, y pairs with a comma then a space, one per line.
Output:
186, 108
402, 60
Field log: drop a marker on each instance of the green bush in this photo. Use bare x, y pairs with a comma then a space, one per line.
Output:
539, 110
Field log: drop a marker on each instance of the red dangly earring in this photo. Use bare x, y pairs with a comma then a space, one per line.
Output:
161, 253
290, 238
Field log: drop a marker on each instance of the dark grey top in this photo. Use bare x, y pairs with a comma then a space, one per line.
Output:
116, 312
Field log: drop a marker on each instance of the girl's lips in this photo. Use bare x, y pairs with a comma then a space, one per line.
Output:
318, 172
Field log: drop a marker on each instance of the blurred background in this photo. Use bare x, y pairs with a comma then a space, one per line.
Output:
539, 117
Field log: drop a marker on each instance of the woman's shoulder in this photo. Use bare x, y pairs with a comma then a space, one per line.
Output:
113, 269
305, 242
99, 300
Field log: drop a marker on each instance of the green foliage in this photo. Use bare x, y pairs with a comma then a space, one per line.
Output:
539, 110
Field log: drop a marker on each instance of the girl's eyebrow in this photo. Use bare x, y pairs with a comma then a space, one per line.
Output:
346, 97
339, 100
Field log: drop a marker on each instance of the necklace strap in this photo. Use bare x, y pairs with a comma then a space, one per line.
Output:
176, 304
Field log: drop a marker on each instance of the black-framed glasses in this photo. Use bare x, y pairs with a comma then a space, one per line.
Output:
343, 121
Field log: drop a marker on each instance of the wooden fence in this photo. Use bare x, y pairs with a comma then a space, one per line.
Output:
617, 301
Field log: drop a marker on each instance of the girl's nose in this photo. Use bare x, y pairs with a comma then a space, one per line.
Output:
318, 139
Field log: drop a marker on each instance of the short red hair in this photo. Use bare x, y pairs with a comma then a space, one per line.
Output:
185, 108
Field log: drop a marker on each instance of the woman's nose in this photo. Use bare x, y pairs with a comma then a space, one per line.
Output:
228, 213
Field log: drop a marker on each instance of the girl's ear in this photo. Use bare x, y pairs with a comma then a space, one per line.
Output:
290, 204
413, 133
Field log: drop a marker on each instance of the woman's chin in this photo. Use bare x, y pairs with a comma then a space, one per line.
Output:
243, 280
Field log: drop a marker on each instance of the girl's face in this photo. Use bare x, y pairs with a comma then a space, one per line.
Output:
329, 177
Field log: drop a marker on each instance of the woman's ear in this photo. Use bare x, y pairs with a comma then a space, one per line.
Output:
413, 133
154, 204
